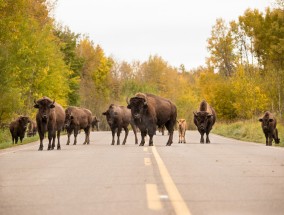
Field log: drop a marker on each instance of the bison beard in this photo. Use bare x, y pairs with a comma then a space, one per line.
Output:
150, 111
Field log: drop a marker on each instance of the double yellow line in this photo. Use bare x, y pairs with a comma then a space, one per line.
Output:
175, 198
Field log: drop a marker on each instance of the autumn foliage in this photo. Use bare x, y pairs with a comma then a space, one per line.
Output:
242, 77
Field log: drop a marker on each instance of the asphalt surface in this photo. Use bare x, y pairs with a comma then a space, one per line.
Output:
224, 177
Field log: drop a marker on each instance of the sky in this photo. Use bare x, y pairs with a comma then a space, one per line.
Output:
128, 30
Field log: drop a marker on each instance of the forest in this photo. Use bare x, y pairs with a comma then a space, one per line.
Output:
242, 77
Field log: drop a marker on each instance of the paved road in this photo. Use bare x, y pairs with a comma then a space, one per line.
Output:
224, 177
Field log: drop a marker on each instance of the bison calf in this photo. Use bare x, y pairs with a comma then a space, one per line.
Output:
75, 119
268, 124
32, 128
119, 117
95, 123
18, 128
204, 119
181, 130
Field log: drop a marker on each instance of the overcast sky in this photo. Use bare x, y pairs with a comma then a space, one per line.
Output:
129, 30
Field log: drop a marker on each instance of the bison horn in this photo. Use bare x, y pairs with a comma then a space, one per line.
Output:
127, 100
35, 102
53, 101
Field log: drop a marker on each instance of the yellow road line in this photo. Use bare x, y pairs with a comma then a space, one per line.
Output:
153, 199
147, 161
175, 198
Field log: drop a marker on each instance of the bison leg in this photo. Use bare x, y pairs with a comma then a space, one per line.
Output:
276, 139
41, 136
270, 141
53, 140
170, 128
58, 140
50, 137
266, 139
87, 132
202, 137
76, 131
118, 135
207, 137
68, 138
143, 135
16, 139
126, 134
151, 140
113, 134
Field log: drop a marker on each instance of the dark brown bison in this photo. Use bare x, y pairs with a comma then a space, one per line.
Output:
181, 130
49, 118
18, 128
204, 119
95, 123
75, 119
150, 111
32, 128
268, 124
119, 117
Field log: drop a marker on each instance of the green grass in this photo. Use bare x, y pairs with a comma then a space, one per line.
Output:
6, 139
245, 130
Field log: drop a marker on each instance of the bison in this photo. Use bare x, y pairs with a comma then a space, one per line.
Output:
150, 111
119, 117
49, 118
204, 119
181, 130
75, 119
18, 128
95, 123
268, 124
32, 128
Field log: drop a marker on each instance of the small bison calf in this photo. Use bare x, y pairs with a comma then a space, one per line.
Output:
181, 130
268, 124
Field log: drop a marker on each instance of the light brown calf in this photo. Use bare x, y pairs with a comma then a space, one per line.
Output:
181, 130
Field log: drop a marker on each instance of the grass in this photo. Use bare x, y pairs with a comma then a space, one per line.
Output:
246, 130
6, 139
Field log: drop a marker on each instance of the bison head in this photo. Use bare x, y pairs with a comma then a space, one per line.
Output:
111, 115
137, 105
265, 122
24, 120
44, 106
201, 118
68, 118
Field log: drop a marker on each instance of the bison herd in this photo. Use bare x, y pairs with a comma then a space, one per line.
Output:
144, 112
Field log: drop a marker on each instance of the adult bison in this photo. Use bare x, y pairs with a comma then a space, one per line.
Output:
49, 118
204, 119
95, 123
32, 128
75, 119
150, 111
181, 130
268, 124
18, 128
119, 117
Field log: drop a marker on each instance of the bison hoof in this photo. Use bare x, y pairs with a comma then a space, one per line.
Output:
58, 148
67, 143
112, 144
40, 148
141, 144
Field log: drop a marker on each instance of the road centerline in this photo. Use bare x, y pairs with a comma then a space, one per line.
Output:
175, 197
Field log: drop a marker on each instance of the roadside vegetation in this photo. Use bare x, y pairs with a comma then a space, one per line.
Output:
242, 78
6, 139
249, 130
